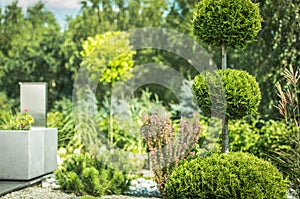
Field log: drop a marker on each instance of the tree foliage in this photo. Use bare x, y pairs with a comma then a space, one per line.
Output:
34, 48
109, 56
31, 51
40, 50
241, 91
229, 22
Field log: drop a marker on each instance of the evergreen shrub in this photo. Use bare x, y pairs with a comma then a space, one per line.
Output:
234, 175
242, 93
84, 174
230, 22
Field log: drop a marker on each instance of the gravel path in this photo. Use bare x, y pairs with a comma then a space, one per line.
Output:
48, 189
37, 192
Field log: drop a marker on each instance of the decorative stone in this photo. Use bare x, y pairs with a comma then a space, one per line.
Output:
144, 188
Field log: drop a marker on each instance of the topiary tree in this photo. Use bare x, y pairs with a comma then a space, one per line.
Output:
226, 23
109, 58
235, 176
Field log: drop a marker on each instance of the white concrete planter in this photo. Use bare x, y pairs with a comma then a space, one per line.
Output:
25, 155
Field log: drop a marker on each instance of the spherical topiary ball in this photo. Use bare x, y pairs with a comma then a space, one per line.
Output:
234, 175
229, 22
241, 90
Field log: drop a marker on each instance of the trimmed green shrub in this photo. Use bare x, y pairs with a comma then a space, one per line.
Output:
226, 23
241, 91
229, 22
84, 174
233, 175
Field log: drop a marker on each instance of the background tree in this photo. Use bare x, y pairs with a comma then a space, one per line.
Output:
30, 48
126, 16
68, 42
226, 23
276, 47
109, 56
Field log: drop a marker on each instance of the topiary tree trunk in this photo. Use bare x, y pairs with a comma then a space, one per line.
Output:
225, 134
224, 57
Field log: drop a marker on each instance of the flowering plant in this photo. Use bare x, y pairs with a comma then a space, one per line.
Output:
22, 121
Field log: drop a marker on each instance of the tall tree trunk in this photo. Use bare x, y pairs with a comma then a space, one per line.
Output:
225, 135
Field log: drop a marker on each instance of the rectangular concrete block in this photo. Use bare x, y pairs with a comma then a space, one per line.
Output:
28, 154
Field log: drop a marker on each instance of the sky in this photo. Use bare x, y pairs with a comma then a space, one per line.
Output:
60, 8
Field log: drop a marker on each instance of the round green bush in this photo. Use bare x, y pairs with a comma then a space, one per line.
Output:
229, 22
233, 175
241, 90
